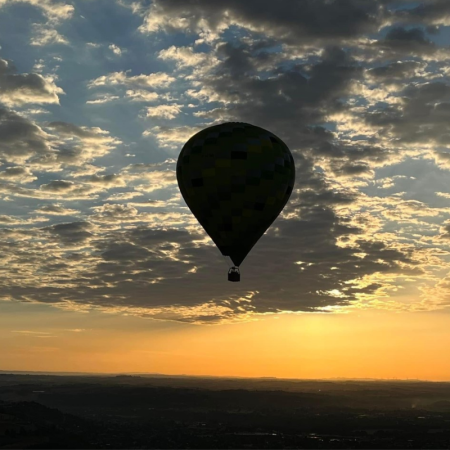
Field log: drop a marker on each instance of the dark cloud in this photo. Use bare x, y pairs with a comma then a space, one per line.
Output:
311, 197
353, 168
7, 219
298, 68
57, 186
298, 266
236, 60
6, 67
69, 129
126, 252
399, 35
30, 81
17, 174
445, 231
401, 41
113, 212
70, 233
19, 89
432, 29
91, 142
300, 95
343, 157
13, 172
422, 117
435, 12
395, 72
291, 99
289, 20
20, 139
107, 180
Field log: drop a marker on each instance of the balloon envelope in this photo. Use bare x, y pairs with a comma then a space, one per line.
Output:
236, 178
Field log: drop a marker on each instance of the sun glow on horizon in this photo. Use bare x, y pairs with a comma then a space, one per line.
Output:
364, 344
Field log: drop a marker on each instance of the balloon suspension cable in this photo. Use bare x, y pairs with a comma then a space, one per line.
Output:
228, 261
234, 274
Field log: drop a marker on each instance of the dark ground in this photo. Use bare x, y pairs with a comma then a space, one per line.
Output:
50, 411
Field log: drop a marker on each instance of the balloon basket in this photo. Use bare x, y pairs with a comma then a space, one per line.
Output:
234, 274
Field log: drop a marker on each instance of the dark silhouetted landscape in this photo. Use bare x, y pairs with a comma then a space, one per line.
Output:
156, 411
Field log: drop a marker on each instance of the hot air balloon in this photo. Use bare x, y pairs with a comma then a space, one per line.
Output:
236, 178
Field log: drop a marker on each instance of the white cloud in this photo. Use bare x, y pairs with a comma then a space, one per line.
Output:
106, 98
115, 49
45, 36
172, 136
140, 95
56, 210
164, 111
184, 56
54, 10
158, 79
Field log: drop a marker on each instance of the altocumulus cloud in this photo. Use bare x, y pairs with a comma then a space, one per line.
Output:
360, 92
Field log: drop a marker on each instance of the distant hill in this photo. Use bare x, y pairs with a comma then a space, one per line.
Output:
32, 425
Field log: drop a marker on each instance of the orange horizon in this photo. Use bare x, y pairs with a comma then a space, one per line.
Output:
185, 375
356, 345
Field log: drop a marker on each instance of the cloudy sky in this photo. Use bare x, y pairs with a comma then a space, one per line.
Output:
97, 98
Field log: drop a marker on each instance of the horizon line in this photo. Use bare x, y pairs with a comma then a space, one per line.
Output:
157, 374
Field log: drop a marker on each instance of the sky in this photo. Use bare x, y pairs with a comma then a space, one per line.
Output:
105, 269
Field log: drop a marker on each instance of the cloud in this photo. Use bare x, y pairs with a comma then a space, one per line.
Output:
164, 111
113, 212
445, 231
20, 139
55, 13
58, 185
148, 177
68, 129
186, 57
14, 220
18, 174
421, 117
46, 36
364, 109
110, 180
126, 267
54, 10
70, 233
153, 80
89, 143
432, 12
172, 137
115, 49
141, 95
56, 210
401, 41
21, 89
155, 258
124, 196
37, 334
301, 95
396, 72
103, 99
296, 22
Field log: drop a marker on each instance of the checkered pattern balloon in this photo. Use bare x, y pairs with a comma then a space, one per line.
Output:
236, 178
